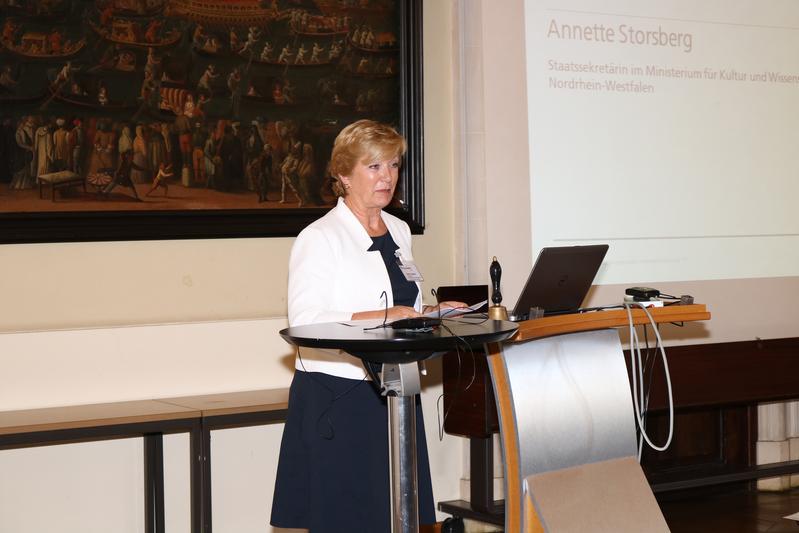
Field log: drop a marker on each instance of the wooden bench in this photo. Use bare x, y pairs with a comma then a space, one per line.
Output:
151, 420
59, 180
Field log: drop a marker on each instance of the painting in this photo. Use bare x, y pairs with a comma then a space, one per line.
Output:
165, 119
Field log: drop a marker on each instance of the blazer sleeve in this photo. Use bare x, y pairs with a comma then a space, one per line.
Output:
312, 273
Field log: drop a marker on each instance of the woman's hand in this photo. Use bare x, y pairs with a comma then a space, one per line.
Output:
391, 314
401, 311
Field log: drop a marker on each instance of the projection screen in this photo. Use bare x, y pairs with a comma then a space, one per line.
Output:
668, 131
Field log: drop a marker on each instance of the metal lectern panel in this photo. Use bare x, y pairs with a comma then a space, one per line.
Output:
571, 400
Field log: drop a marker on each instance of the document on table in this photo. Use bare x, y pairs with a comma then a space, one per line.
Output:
450, 312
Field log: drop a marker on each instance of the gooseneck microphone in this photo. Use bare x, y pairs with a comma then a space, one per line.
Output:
384, 297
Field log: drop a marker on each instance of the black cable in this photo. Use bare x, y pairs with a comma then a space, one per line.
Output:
335, 398
647, 355
370, 367
438, 304
454, 399
458, 390
652, 369
599, 308
370, 372
651, 355
465, 319
383, 296
452, 310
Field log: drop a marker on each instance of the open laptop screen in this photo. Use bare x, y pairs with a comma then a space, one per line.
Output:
559, 280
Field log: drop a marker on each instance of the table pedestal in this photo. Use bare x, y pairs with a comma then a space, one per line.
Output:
400, 383
402, 450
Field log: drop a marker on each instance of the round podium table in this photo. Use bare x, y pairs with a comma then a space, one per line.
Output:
399, 351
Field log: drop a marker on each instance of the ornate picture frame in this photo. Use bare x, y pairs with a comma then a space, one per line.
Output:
176, 119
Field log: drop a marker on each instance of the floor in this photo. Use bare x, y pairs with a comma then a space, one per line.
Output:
736, 511
729, 510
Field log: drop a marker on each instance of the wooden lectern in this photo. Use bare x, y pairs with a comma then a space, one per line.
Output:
559, 395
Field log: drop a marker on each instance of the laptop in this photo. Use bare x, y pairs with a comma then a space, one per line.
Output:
559, 280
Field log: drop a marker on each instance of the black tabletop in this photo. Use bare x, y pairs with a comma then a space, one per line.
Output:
387, 345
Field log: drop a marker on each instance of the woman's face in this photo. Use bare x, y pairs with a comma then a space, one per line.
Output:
371, 185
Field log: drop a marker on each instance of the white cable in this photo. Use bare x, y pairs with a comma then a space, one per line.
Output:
635, 357
645, 404
667, 374
645, 398
636, 374
642, 393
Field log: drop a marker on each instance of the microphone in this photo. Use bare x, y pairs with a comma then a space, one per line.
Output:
384, 296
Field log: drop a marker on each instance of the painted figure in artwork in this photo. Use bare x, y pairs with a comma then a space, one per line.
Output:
229, 105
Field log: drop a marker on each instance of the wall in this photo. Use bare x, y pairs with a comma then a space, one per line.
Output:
743, 309
496, 159
200, 286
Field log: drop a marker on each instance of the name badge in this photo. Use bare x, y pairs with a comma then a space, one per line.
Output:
408, 268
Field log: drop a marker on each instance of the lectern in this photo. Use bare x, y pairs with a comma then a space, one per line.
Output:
564, 414
399, 352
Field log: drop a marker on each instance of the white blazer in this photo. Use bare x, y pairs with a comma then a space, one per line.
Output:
332, 276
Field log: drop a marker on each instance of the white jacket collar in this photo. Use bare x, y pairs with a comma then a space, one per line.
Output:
354, 226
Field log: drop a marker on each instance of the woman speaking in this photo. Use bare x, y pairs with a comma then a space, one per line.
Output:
333, 472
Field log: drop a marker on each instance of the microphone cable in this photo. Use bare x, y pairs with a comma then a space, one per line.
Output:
459, 375
370, 372
335, 397
384, 297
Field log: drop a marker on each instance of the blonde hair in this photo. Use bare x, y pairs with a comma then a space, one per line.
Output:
364, 140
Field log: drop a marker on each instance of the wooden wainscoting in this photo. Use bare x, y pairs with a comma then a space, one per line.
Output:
716, 390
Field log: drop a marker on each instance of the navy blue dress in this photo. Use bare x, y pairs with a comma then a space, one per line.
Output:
333, 471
